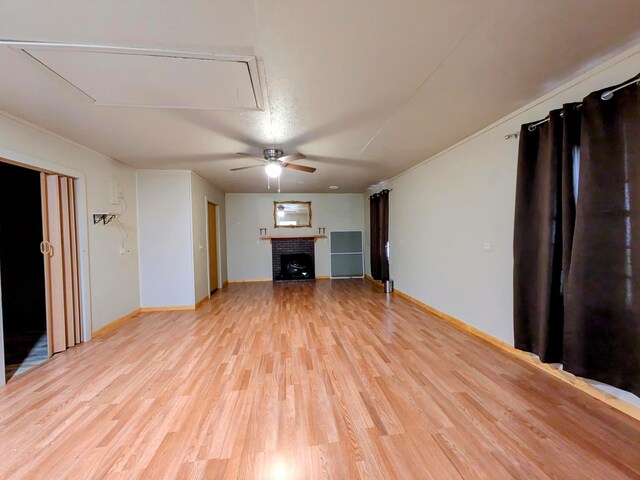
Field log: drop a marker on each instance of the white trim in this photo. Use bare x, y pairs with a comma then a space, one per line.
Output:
82, 216
24, 47
218, 259
218, 247
136, 177
192, 225
206, 237
154, 52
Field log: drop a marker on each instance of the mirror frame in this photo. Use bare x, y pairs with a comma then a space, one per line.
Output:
275, 214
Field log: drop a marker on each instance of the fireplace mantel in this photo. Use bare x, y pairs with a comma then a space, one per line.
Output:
272, 237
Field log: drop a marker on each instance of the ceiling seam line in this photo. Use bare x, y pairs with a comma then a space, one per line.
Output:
264, 69
428, 77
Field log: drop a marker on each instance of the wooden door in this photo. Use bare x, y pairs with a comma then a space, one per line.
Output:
213, 246
60, 250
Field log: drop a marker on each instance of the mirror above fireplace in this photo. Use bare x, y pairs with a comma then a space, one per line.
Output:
292, 214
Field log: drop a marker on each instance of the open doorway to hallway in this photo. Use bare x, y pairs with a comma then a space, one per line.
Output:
22, 275
40, 287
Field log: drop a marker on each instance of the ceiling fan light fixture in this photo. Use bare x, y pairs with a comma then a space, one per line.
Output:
273, 170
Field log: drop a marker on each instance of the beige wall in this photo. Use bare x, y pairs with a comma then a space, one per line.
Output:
173, 237
166, 248
110, 280
250, 258
444, 210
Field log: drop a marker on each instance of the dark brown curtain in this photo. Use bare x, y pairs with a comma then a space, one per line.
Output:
537, 244
602, 295
379, 223
569, 182
374, 201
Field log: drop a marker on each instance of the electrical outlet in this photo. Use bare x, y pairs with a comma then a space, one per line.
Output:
487, 247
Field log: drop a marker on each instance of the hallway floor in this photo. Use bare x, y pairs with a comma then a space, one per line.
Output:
20, 344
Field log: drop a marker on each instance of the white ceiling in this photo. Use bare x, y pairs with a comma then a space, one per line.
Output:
365, 88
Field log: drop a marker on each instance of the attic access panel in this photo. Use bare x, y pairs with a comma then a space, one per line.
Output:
113, 78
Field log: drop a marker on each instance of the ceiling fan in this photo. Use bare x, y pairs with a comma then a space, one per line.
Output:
274, 161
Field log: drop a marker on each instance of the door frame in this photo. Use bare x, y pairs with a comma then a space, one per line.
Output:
206, 216
82, 216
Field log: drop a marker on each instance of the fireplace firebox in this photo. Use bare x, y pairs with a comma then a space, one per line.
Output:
297, 266
293, 259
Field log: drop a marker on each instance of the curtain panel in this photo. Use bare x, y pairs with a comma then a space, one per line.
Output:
379, 225
538, 254
577, 237
602, 298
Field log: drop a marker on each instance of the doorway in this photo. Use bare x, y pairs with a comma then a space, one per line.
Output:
212, 220
22, 275
39, 268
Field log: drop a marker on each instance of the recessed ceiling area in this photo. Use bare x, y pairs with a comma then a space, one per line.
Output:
153, 80
365, 90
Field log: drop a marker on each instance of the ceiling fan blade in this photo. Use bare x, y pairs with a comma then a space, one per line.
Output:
251, 156
302, 168
292, 158
244, 168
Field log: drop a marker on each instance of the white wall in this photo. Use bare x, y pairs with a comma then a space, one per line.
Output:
250, 258
201, 193
110, 280
442, 212
166, 245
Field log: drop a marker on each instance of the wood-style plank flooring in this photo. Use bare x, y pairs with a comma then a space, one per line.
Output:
303, 381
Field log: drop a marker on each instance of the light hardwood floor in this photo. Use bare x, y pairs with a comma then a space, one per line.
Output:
324, 380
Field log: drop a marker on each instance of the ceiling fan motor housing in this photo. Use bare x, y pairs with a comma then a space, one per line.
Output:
272, 153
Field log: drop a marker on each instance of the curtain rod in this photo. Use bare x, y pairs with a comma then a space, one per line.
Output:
606, 95
383, 190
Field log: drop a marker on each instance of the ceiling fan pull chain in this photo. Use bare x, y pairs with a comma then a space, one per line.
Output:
278, 184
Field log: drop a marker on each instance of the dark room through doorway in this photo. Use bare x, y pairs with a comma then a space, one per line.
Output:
22, 275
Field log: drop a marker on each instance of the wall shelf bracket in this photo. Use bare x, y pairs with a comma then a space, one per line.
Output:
103, 218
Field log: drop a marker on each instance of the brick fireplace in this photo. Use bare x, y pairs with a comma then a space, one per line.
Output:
299, 250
